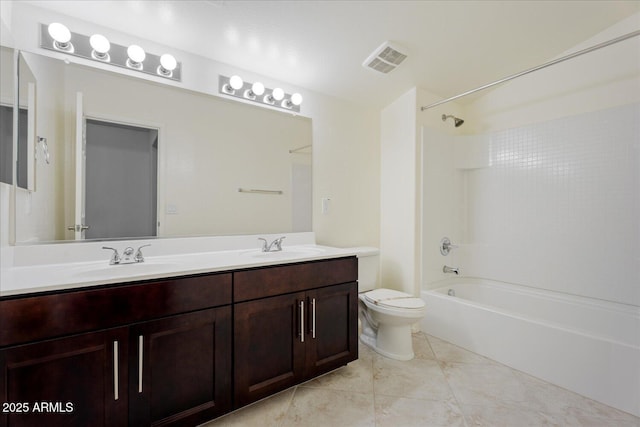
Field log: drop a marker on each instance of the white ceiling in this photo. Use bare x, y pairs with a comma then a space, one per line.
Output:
453, 46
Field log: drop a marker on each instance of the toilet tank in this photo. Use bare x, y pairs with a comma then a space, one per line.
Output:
368, 267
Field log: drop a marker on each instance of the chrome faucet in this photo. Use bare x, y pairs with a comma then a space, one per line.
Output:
139, 257
127, 256
115, 257
274, 246
447, 269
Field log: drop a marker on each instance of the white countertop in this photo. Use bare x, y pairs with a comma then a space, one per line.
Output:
19, 280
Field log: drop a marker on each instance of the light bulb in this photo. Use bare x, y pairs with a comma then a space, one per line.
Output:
278, 94
99, 43
236, 82
59, 33
100, 46
61, 36
136, 53
296, 99
257, 88
168, 62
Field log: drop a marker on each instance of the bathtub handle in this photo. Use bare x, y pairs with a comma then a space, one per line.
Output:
446, 246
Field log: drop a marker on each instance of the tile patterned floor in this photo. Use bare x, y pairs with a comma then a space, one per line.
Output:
444, 385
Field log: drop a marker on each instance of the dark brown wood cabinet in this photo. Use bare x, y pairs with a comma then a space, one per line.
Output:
286, 339
180, 369
173, 352
93, 376
332, 328
269, 353
77, 381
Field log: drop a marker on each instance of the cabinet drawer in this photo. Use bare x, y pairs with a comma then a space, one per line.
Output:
282, 279
46, 316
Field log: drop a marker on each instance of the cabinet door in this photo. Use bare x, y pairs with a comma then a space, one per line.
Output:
269, 346
77, 381
180, 368
332, 328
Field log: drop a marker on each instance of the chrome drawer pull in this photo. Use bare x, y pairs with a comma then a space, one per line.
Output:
140, 350
116, 386
313, 318
301, 321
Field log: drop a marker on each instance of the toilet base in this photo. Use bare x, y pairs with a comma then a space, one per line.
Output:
389, 337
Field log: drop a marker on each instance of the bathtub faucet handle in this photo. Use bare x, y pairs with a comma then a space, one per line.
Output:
446, 246
447, 269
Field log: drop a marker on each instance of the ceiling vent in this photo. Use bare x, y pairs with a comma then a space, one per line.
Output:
385, 58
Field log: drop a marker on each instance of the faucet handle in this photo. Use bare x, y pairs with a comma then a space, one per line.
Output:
139, 257
265, 247
446, 246
278, 243
115, 257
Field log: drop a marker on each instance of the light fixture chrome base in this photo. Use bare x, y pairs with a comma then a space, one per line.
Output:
117, 55
224, 87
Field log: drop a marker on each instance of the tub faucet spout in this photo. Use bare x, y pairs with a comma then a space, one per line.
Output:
447, 269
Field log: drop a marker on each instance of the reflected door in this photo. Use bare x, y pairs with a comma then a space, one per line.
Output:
116, 169
120, 180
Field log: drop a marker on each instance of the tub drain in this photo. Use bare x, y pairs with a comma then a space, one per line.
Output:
451, 293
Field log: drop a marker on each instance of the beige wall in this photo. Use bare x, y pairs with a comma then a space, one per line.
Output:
398, 224
346, 170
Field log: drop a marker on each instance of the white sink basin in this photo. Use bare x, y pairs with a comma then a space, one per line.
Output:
285, 253
140, 268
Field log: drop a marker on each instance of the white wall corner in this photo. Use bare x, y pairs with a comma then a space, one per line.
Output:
398, 227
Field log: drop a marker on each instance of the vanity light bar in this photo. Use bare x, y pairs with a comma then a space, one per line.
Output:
80, 45
256, 92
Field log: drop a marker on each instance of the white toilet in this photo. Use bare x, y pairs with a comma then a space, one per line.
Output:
385, 315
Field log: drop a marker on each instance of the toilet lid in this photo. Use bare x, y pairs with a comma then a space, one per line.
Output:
391, 298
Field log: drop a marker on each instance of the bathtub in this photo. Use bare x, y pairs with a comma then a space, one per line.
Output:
589, 346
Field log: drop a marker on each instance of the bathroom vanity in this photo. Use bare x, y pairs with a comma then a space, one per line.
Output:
176, 350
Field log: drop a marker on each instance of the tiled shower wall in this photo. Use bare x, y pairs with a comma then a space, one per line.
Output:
558, 207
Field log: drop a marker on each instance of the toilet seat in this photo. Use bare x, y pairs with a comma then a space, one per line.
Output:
394, 299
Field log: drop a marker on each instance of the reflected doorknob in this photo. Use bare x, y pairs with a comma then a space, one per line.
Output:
78, 227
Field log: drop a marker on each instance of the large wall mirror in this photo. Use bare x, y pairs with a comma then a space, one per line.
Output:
131, 158
19, 116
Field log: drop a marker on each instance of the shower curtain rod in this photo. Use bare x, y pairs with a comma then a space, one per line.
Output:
539, 67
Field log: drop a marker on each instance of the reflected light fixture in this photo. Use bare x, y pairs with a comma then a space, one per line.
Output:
101, 46
59, 38
168, 63
136, 56
257, 89
277, 94
296, 99
238, 88
234, 83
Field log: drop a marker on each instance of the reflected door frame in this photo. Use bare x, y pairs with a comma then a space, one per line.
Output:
81, 117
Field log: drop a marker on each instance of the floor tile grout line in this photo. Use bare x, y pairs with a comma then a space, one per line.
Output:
289, 404
455, 397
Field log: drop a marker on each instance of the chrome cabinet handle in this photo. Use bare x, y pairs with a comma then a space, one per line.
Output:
313, 318
140, 363
116, 393
301, 321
